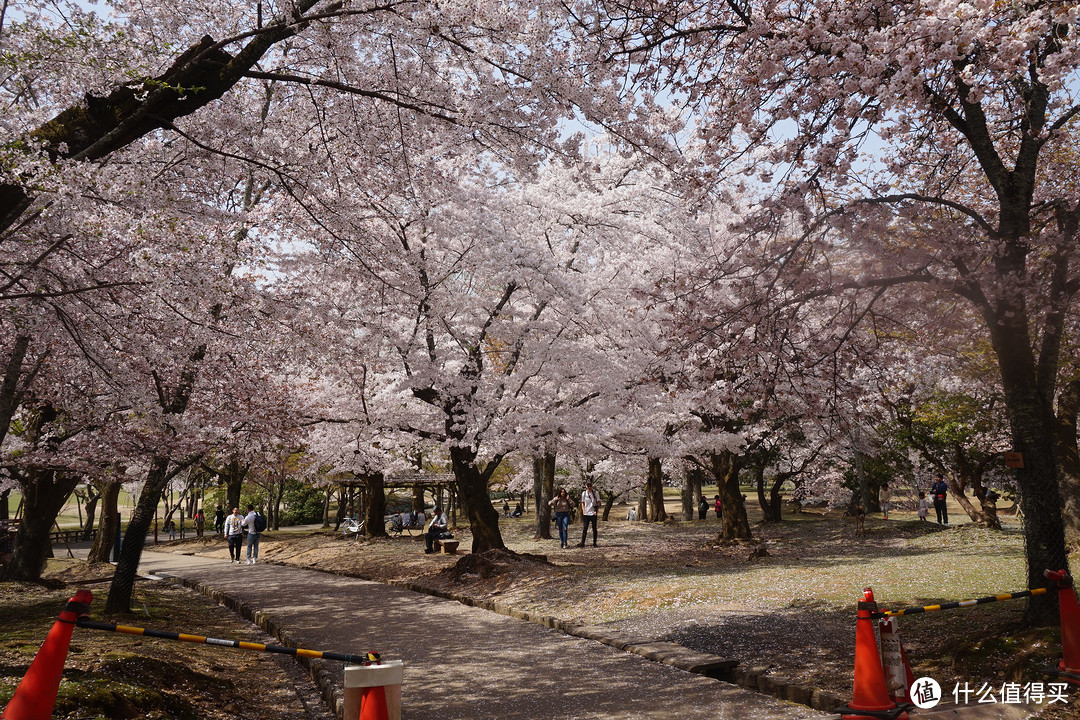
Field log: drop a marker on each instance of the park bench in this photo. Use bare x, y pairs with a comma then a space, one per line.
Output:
449, 547
70, 536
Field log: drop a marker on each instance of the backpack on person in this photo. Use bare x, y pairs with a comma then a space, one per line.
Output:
260, 522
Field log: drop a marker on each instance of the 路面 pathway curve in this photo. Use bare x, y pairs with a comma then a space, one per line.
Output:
464, 663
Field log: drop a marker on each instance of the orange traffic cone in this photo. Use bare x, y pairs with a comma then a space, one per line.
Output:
1069, 666
373, 704
36, 695
871, 699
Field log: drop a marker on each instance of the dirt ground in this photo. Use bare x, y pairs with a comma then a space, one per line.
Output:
120, 677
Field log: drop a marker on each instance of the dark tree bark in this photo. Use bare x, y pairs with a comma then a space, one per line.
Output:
970, 476
544, 472
157, 477
689, 494
44, 494
1068, 457
375, 508
343, 501
771, 506
93, 495
734, 525
101, 125
472, 483
131, 548
174, 402
103, 541
326, 506
654, 490
232, 475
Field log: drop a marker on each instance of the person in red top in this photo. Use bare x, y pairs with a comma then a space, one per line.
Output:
719, 506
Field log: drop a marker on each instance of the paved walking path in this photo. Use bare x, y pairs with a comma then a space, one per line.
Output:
463, 663
467, 663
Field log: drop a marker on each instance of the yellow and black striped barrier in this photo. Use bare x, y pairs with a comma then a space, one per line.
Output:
963, 603
369, 658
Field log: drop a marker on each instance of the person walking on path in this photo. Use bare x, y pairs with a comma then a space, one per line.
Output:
200, 523
562, 504
435, 529
233, 528
219, 520
884, 495
253, 533
590, 501
939, 492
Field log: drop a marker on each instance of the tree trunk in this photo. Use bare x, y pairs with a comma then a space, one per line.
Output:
1068, 457
1032, 423
343, 501
771, 506
104, 540
868, 498
472, 485
609, 500
654, 490
93, 495
44, 494
157, 478
375, 508
689, 495
234, 474
725, 469
544, 472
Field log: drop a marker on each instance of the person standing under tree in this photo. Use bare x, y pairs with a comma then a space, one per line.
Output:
253, 534
939, 492
233, 528
702, 508
219, 520
590, 501
562, 504
923, 507
884, 495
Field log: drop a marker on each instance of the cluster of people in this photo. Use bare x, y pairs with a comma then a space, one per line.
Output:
703, 507
564, 506
235, 527
939, 492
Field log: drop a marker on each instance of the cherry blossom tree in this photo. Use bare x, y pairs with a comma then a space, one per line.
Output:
933, 135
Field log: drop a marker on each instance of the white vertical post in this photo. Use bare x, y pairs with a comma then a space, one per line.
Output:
386, 675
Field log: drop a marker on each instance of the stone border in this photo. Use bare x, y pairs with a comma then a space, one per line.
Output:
756, 678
